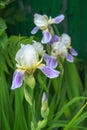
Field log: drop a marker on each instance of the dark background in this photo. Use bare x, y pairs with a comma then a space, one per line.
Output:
75, 23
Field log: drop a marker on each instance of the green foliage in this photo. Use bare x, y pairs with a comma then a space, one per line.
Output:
3, 3
12, 16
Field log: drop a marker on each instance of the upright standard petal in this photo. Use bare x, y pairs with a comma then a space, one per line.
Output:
34, 30
58, 19
49, 72
46, 37
73, 52
17, 79
40, 20
50, 61
70, 58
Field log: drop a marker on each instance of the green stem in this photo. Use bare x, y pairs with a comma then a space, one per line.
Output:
33, 109
56, 30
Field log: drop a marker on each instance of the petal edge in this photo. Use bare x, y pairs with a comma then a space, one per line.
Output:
17, 79
49, 72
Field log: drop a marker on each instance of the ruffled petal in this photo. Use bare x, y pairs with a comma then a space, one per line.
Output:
46, 37
70, 58
34, 30
49, 72
50, 61
17, 79
73, 52
58, 19
54, 39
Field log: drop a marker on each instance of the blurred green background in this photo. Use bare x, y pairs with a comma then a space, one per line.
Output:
75, 23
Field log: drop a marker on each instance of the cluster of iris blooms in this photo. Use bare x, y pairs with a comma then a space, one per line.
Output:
33, 56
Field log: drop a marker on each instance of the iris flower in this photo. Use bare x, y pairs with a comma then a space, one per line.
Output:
43, 23
28, 60
63, 48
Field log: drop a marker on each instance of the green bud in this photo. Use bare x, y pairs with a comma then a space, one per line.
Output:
27, 96
32, 126
41, 124
44, 107
30, 81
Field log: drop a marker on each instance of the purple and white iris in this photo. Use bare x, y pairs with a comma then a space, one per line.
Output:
63, 48
44, 23
27, 59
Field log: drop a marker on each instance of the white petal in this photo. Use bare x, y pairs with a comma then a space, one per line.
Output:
40, 20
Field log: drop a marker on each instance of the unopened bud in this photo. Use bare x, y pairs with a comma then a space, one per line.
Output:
41, 124
30, 81
44, 107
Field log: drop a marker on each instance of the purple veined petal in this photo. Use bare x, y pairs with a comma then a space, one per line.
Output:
49, 72
73, 52
70, 58
34, 30
54, 39
58, 19
46, 37
50, 61
17, 79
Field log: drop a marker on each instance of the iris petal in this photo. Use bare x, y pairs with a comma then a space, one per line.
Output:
50, 61
17, 79
49, 72
46, 37
34, 30
70, 58
58, 19
73, 52
54, 39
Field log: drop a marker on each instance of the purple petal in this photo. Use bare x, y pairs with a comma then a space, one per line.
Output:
34, 30
46, 37
58, 19
50, 61
69, 58
73, 52
54, 39
49, 72
17, 79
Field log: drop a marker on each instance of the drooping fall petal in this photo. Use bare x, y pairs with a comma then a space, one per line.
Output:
70, 58
46, 37
17, 79
50, 61
58, 19
73, 52
49, 72
34, 30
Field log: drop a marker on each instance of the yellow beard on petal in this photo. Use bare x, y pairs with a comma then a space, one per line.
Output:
29, 70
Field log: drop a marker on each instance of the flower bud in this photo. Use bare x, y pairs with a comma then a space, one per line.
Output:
41, 124
30, 81
32, 126
44, 107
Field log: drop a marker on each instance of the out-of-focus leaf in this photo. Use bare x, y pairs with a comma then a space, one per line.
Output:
72, 122
19, 16
2, 5
2, 25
